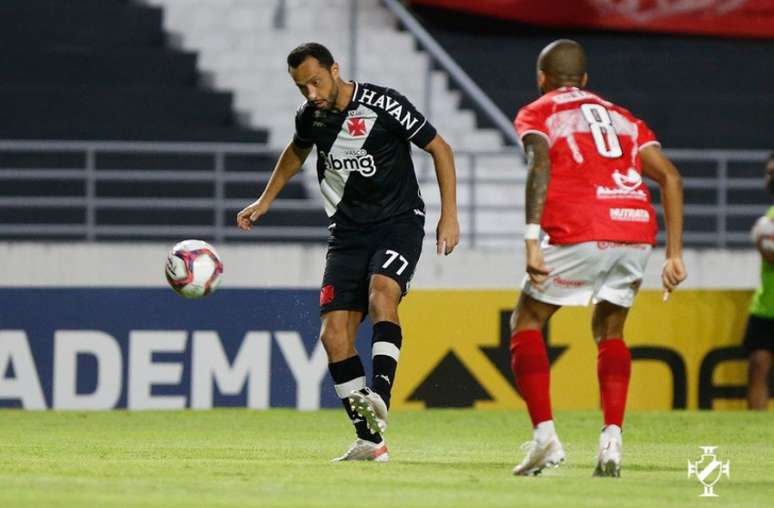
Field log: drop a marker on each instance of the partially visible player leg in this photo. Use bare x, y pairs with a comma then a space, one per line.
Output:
372, 404
383, 298
758, 379
343, 303
574, 269
615, 295
338, 332
759, 343
397, 248
529, 359
613, 371
531, 371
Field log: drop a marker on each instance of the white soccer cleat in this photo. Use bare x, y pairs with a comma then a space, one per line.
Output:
540, 455
609, 457
365, 450
369, 405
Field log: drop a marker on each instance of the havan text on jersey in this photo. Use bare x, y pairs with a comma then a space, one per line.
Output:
390, 105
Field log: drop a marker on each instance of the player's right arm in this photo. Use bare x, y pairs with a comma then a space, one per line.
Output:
289, 163
660, 169
766, 253
538, 176
762, 238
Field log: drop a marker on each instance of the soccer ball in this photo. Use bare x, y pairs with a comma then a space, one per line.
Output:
193, 268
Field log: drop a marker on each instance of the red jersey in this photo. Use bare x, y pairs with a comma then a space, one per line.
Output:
596, 192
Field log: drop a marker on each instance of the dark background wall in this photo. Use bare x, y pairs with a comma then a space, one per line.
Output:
103, 70
695, 92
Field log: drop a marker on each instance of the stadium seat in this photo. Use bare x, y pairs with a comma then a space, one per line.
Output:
101, 70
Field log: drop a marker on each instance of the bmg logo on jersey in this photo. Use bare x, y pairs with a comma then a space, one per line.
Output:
354, 160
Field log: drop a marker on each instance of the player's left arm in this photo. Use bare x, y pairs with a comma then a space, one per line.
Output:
414, 127
448, 230
660, 169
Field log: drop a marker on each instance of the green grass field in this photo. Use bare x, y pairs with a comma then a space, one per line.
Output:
442, 458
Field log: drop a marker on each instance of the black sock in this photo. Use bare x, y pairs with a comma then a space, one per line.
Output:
349, 375
385, 351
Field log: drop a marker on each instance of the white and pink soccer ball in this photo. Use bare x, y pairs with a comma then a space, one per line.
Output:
193, 268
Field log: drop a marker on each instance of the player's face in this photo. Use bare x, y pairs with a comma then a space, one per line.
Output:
318, 84
770, 177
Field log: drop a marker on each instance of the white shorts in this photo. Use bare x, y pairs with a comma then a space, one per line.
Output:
591, 271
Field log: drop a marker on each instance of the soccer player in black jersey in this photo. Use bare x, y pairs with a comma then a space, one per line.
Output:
362, 134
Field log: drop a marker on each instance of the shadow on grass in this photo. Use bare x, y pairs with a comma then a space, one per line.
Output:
654, 468
455, 465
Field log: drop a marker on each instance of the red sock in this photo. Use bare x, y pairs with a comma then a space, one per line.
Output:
614, 366
529, 363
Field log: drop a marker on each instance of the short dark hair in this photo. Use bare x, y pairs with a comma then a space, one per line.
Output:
310, 49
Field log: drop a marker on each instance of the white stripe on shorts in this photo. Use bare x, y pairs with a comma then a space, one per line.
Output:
344, 389
385, 348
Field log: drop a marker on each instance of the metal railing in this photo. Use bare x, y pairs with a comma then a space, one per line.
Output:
441, 58
723, 180
706, 221
717, 222
471, 166
91, 175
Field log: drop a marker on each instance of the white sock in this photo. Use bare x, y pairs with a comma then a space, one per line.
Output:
544, 431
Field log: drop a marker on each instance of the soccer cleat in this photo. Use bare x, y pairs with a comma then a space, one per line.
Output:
540, 455
365, 450
609, 456
369, 405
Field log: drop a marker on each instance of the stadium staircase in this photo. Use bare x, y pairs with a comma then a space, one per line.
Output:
243, 44
99, 69
104, 70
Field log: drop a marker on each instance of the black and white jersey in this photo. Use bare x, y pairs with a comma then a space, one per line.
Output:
363, 154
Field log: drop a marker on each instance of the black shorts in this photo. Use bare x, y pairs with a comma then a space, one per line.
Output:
759, 334
356, 253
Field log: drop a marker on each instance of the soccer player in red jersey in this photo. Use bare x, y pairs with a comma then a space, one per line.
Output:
586, 157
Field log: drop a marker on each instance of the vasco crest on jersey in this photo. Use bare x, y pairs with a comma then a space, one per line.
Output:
356, 126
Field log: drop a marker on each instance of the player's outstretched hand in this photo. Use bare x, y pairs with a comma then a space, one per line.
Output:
536, 268
251, 213
672, 274
447, 235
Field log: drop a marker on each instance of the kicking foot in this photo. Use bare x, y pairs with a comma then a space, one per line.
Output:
365, 450
369, 405
540, 455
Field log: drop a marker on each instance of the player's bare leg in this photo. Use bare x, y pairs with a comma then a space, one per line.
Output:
384, 295
338, 333
607, 321
613, 371
383, 299
531, 314
529, 362
758, 379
